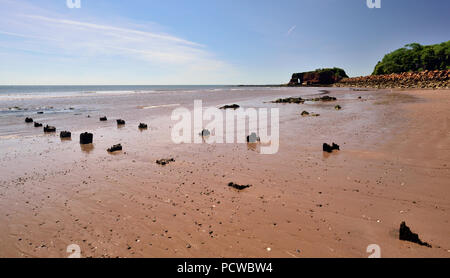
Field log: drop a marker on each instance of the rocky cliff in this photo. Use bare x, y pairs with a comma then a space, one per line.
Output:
318, 77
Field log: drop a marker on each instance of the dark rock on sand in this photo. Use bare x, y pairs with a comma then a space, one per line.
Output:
297, 100
143, 126
253, 138
65, 134
205, 133
48, 128
233, 106
324, 98
86, 138
37, 125
327, 148
238, 186
165, 161
102, 119
120, 122
306, 114
28, 120
115, 148
338, 107
407, 235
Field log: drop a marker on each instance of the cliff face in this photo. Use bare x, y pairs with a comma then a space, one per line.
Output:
317, 77
426, 79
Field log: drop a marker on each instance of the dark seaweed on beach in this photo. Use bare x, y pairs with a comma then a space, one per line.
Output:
115, 148
329, 149
233, 106
238, 186
407, 235
297, 100
164, 161
324, 98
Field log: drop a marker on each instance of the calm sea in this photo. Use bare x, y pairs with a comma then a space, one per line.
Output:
20, 92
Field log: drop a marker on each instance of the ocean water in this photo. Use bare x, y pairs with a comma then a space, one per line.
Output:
26, 92
75, 107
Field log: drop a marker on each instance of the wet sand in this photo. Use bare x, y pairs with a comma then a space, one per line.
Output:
394, 166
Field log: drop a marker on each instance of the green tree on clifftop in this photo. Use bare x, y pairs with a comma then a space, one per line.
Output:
415, 57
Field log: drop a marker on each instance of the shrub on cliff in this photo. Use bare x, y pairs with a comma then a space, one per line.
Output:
415, 57
337, 72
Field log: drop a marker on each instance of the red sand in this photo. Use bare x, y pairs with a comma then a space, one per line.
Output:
394, 166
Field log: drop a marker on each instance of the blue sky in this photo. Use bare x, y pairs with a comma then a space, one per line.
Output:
145, 42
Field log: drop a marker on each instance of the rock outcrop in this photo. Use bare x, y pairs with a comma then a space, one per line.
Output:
326, 76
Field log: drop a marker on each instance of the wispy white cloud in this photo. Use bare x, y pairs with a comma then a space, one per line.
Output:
24, 26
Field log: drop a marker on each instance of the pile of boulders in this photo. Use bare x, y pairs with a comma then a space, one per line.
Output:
438, 79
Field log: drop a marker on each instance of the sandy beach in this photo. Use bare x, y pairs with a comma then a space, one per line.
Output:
393, 166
